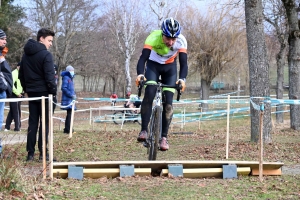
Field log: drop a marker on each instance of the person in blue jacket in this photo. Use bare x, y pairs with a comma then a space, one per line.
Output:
68, 95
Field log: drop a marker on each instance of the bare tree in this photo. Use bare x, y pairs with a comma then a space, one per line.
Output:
274, 13
291, 8
123, 20
72, 20
218, 41
163, 8
258, 68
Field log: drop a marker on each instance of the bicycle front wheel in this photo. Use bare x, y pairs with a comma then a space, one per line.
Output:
155, 132
118, 117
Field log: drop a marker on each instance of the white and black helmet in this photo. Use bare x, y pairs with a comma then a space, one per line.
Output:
171, 27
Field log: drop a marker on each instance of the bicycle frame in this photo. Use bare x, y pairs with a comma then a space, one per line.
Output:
155, 125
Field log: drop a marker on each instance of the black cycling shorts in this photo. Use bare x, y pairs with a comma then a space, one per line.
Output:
168, 73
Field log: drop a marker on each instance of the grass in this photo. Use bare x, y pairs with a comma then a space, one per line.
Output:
113, 144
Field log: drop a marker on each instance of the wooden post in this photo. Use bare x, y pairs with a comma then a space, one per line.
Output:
91, 115
50, 135
72, 119
261, 152
227, 135
200, 118
184, 116
93, 125
181, 126
44, 138
105, 122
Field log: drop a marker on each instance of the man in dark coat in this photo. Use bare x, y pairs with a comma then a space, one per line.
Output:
37, 79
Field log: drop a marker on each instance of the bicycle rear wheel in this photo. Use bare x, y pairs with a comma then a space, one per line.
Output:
118, 117
155, 132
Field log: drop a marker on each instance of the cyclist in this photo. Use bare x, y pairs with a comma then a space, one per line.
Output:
160, 51
113, 97
133, 102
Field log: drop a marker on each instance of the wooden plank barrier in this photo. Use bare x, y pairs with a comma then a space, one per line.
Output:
207, 172
191, 169
98, 173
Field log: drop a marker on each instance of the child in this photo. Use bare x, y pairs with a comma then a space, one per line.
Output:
68, 94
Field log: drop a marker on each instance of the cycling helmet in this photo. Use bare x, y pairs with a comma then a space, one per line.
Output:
128, 94
170, 28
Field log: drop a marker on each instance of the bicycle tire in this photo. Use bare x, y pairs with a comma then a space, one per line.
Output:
155, 132
118, 117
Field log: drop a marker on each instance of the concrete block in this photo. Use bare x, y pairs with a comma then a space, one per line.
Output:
75, 172
126, 170
229, 171
176, 170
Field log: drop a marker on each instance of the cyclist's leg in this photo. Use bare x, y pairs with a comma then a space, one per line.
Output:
169, 77
150, 91
151, 74
167, 112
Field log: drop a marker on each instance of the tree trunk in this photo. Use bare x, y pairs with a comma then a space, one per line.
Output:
104, 88
293, 60
280, 60
258, 68
205, 93
127, 73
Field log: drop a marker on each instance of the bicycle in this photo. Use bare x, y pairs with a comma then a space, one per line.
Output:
124, 116
155, 125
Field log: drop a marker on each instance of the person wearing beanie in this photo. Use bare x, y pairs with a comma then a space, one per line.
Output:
15, 107
113, 97
6, 81
38, 79
2, 34
68, 95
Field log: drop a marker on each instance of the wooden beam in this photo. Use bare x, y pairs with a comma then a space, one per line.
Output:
191, 169
164, 164
267, 172
98, 173
207, 172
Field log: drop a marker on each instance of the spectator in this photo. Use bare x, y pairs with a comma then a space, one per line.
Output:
37, 79
113, 98
15, 107
68, 95
5, 75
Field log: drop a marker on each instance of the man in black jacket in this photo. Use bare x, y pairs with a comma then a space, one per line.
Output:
37, 79
5, 75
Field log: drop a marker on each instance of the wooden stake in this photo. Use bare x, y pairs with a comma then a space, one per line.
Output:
44, 138
50, 110
227, 135
105, 122
91, 115
72, 119
200, 119
261, 152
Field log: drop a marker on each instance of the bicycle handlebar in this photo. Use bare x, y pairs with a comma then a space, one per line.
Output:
178, 87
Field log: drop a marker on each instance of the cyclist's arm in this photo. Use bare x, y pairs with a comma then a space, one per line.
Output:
183, 65
140, 69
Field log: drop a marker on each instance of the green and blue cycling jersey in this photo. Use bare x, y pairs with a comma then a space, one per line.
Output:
156, 51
